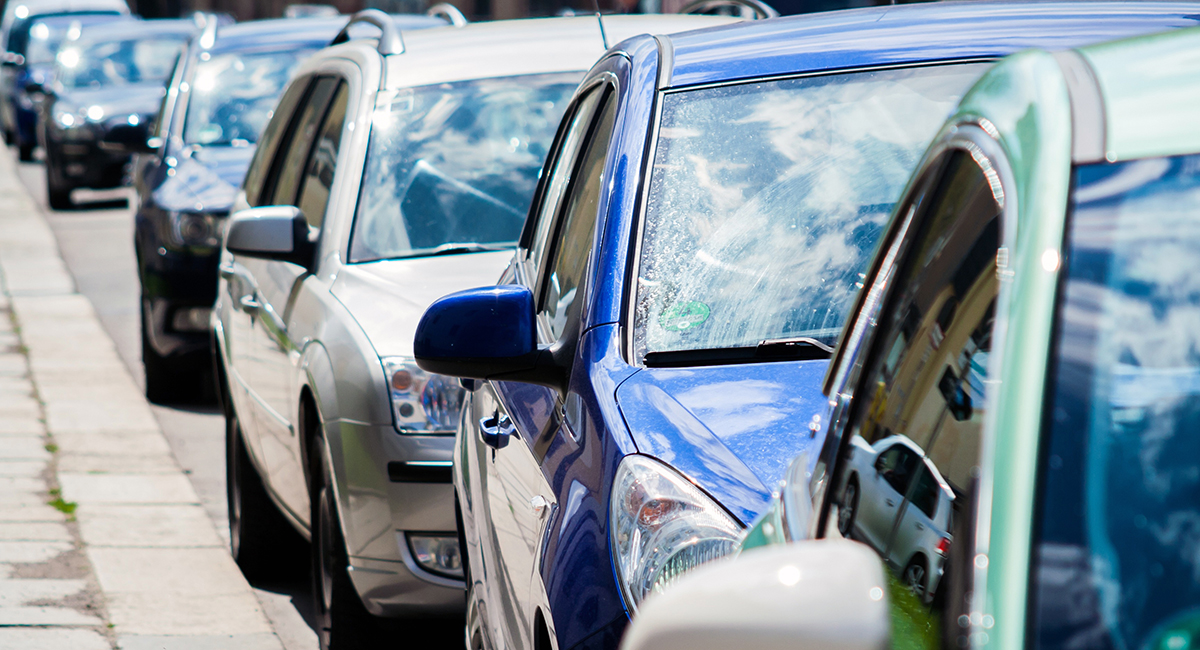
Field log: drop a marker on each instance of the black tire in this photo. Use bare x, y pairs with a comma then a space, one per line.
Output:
25, 151
848, 508
260, 539
58, 194
915, 577
343, 622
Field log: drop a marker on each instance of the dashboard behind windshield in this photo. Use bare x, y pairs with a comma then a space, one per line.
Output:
766, 200
455, 163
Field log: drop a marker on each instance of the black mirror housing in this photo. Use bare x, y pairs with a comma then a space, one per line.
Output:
272, 232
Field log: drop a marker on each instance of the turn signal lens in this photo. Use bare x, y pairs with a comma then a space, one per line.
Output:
402, 380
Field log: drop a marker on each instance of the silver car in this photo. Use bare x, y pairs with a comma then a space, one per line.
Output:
392, 173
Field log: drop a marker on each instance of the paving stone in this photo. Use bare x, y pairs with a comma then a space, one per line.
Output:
166, 571
26, 638
13, 365
206, 642
186, 614
16, 593
147, 526
21, 467
44, 616
21, 426
24, 552
116, 464
34, 531
86, 489
13, 485
23, 447
109, 443
30, 512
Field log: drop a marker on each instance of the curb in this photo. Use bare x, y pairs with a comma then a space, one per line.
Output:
158, 575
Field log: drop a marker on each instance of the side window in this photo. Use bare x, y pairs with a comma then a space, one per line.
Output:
923, 388
563, 275
268, 144
318, 179
289, 166
560, 175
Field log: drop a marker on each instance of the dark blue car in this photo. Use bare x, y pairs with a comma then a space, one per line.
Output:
653, 357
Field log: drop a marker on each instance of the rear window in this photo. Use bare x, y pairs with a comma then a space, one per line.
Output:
1117, 545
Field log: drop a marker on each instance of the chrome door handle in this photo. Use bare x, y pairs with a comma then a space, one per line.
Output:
227, 271
920, 526
540, 505
496, 430
249, 303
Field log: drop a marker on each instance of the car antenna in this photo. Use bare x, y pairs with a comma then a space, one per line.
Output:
599, 19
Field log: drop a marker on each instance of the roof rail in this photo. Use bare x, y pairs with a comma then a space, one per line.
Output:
449, 12
389, 37
760, 9
207, 22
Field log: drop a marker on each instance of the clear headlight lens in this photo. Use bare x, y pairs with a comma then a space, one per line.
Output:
663, 526
195, 228
422, 402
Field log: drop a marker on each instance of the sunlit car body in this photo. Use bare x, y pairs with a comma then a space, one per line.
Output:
33, 46
212, 116
644, 398
113, 77
16, 13
423, 192
1064, 196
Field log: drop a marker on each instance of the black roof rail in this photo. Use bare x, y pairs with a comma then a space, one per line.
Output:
449, 12
761, 9
389, 37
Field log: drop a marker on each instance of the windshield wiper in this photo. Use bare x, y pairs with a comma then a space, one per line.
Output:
456, 248
801, 348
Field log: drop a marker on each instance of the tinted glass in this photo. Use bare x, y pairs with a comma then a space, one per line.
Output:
1117, 540
120, 63
233, 95
766, 200
314, 196
937, 318
456, 164
290, 163
46, 35
260, 166
574, 242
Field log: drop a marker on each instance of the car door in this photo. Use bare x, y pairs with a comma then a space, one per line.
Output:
882, 491
241, 290
519, 498
944, 292
308, 164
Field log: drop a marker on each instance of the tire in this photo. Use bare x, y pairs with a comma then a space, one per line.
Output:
848, 509
260, 539
915, 576
25, 151
58, 195
342, 620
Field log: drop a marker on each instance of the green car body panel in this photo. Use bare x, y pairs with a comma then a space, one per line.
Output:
1150, 87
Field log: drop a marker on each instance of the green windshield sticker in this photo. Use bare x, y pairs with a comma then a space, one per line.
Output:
683, 316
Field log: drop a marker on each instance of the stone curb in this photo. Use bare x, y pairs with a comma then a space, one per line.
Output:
77, 428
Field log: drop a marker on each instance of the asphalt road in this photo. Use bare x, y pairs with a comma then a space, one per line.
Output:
96, 241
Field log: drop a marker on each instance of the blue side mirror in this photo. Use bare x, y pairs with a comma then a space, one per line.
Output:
480, 334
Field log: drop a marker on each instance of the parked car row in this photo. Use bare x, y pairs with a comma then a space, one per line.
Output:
715, 327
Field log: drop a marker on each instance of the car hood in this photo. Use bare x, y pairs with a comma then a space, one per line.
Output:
118, 101
207, 179
733, 430
388, 298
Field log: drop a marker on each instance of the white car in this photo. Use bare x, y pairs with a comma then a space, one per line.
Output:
394, 171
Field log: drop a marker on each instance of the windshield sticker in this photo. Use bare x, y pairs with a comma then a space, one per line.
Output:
684, 316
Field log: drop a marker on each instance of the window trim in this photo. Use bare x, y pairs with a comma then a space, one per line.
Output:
634, 262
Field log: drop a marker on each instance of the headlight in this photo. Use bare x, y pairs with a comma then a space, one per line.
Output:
195, 228
422, 402
663, 526
66, 119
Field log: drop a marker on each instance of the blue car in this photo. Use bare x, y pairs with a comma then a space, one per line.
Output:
652, 359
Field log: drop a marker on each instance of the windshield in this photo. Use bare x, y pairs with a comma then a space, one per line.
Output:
46, 35
766, 200
233, 95
120, 63
1117, 554
456, 164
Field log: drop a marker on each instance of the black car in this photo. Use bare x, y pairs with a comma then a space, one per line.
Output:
221, 95
29, 63
113, 78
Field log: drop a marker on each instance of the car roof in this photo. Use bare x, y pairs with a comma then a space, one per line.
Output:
1151, 88
525, 46
313, 32
125, 29
912, 33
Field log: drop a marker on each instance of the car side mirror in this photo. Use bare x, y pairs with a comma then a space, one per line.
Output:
128, 138
272, 232
813, 595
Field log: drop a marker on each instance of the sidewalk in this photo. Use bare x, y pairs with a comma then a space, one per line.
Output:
103, 542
